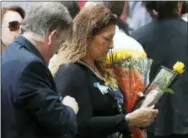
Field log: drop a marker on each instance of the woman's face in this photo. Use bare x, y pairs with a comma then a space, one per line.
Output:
101, 43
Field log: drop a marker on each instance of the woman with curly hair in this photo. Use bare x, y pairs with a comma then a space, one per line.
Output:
79, 72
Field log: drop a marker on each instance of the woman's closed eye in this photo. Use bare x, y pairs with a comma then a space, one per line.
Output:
108, 38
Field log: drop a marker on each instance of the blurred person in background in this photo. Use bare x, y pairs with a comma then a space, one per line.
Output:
79, 72
137, 15
11, 19
165, 41
72, 7
31, 106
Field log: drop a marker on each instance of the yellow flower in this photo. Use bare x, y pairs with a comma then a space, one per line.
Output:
108, 59
124, 54
179, 67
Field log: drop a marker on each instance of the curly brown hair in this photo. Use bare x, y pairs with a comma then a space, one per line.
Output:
89, 22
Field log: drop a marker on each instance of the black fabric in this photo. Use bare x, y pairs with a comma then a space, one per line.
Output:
98, 116
165, 41
31, 106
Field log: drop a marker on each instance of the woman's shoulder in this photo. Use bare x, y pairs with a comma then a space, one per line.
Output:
70, 79
71, 69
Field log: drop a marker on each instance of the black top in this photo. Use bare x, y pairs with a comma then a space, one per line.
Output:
165, 41
31, 106
98, 116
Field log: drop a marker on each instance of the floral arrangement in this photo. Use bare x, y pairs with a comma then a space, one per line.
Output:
131, 72
131, 69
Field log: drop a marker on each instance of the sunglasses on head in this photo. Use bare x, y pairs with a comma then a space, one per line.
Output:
14, 25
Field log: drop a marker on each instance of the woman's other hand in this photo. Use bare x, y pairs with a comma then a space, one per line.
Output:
142, 117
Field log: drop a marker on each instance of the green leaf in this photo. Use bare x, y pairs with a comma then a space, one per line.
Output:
169, 90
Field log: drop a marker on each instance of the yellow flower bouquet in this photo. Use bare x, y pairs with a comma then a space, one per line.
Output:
131, 69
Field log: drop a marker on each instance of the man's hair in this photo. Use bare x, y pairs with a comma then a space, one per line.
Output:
12, 8
72, 7
165, 9
44, 17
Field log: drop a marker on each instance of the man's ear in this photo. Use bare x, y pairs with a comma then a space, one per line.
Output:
52, 37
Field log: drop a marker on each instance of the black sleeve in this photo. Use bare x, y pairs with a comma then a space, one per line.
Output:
37, 96
72, 81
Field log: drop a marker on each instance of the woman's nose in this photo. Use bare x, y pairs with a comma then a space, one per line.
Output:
111, 46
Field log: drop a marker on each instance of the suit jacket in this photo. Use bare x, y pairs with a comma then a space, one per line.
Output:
165, 41
31, 107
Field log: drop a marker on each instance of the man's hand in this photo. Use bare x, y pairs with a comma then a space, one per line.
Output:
71, 102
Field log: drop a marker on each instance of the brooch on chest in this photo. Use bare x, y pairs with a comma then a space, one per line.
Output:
103, 89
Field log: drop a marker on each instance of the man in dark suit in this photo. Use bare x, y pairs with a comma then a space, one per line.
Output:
165, 41
31, 106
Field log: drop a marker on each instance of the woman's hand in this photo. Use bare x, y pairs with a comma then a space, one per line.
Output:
142, 117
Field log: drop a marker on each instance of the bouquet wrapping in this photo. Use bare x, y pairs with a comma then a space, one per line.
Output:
131, 69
